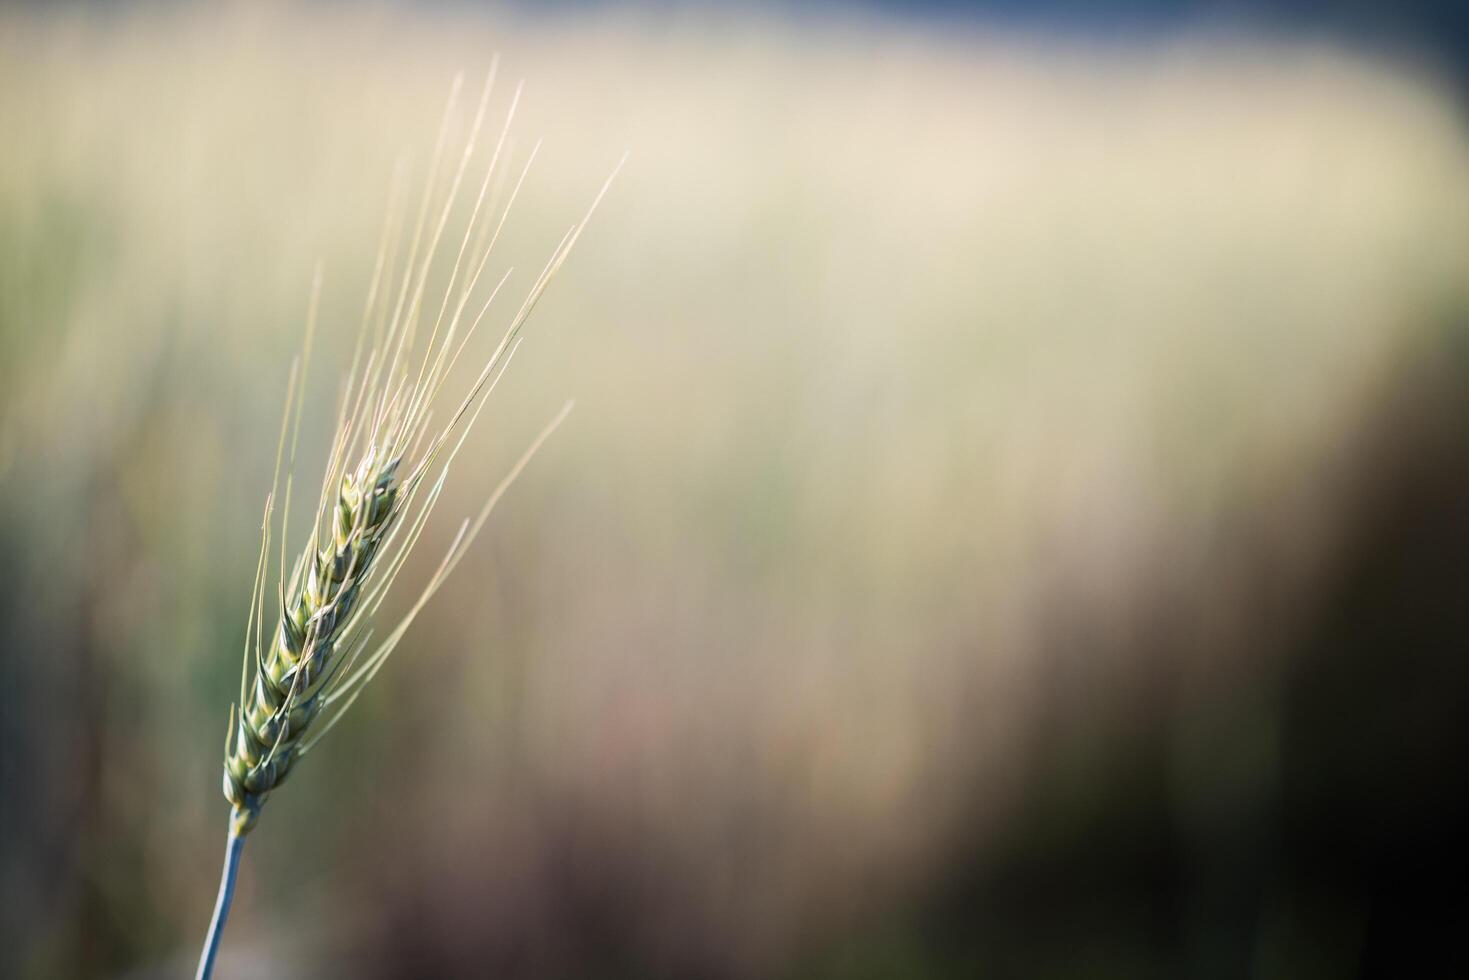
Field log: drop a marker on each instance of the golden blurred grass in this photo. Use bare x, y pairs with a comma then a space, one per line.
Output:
896, 355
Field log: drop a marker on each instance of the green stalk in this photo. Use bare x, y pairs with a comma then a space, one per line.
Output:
233, 846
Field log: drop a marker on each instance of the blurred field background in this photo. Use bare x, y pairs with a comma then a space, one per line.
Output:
1013, 524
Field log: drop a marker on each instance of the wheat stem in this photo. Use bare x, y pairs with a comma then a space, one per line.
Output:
232, 848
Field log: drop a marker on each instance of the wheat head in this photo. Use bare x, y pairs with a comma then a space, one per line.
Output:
375, 497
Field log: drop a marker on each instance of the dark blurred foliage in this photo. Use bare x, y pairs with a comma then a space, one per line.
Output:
1341, 861
1437, 30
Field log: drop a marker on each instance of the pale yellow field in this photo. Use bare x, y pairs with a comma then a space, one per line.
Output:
919, 379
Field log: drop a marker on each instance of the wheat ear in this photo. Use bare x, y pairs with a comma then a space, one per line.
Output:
385, 472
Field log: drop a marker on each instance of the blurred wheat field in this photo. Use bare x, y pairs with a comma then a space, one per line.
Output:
922, 381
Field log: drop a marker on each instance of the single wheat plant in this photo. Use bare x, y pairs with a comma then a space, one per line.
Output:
384, 474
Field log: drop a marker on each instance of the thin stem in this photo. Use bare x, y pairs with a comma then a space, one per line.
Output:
233, 846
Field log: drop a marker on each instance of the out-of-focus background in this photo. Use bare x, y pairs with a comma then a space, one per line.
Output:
1014, 523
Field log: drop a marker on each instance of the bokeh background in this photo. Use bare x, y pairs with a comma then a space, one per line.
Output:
1013, 525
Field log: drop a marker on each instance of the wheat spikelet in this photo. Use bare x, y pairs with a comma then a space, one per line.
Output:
385, 472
